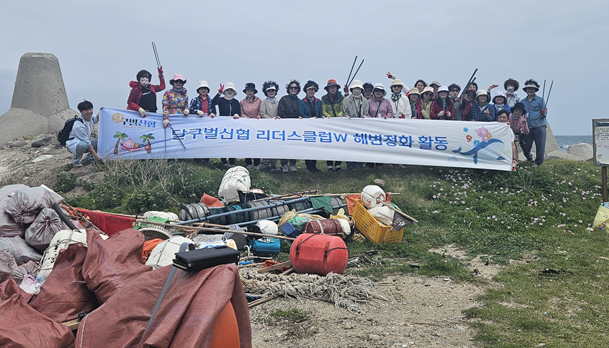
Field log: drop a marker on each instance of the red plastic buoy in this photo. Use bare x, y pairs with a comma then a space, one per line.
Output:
319, 254
329, 226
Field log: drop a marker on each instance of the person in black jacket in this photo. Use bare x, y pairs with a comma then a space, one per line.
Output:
229, 106
288, 108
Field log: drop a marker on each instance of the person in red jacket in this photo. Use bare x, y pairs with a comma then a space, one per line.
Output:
142, 97
442, 108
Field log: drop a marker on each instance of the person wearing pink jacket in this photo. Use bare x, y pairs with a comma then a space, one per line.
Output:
380, 107
250, 108
518, 123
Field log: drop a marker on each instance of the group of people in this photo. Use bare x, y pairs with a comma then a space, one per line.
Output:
526, 116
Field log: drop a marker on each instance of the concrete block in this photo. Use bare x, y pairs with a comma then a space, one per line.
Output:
581, 150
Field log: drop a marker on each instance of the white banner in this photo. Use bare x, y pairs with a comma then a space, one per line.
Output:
484, 145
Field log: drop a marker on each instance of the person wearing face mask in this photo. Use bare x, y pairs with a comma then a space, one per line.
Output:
442, 108
511, 86
355, 106
227, 106
310, 107
268, 109
426, 101
399, 102
499, 100
482, 111
175, 100
289, 108
142, 97
415, 102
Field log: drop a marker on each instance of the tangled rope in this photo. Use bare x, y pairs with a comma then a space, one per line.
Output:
343, 291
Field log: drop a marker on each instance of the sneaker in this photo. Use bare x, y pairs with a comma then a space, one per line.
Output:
330, 169
338, 169
77, 165
285, 168
256, 167
293, 168
249, 166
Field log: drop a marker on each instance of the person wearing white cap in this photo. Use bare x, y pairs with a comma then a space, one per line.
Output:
500, 102
175, 100
355, 106
380, 107
268, 109
482, 111
415, 103
399, 101
228, 106
202, 105
426, 100
435, 85
442, 108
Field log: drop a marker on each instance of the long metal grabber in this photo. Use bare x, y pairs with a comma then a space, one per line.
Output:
243, 210
284, 196
207, 229
352, 66
469, 82
174, 133
356, 71
543, 94
308, 211
156, 55
549, 92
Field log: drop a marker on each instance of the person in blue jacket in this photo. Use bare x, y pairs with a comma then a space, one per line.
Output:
535, 108
310, 107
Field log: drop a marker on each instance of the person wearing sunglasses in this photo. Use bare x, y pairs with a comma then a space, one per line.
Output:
175, 100
288, 108
426, 100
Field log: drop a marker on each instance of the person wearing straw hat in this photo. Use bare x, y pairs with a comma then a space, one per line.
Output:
175, 100
426, 100
228, 106
142, 97
332, 106
268, 109
415, 103
250, 108
453, 93
289, 108
442, 108
310, 107
202, 104
482, 110
399, 102
356, 106
535, 108
511, 86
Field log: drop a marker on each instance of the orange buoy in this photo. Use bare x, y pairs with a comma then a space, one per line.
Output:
319, 254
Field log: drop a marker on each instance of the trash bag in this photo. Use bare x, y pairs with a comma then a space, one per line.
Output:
64, 295
60, 241
19, 272
43, 229
8, 226
23, 326
19, 248
7, 264
161, 214
235, 179
25, 204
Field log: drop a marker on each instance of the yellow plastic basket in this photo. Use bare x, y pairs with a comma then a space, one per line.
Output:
372, 229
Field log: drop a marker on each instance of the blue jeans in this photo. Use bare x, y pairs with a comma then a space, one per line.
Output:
537, 135
81, 149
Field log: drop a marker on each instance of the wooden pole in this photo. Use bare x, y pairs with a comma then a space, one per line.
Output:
604, 172
401, 213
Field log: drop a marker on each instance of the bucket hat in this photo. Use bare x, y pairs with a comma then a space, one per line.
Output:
427, 89
230, 85
177, 77
518, 106
203, 84
356, 84
397, 82
250, 85
499, 94
443, 89
368, 86
481, 92
414, 90
530, 85
331, 82
435, 83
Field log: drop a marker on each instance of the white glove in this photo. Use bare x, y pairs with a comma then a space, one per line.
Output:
166, 122
212, 115
200, 113
236, 116
142, 112
186, 112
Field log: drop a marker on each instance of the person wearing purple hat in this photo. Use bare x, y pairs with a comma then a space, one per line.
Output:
175, 100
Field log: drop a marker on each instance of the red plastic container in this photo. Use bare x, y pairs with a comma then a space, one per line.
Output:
329, 226
319, 254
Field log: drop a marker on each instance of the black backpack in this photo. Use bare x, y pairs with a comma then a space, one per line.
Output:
63, 135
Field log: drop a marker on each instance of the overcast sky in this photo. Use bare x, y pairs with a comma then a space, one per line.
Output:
101, 45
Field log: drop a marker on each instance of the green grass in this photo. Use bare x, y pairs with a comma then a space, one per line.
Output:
538, 217
293, 315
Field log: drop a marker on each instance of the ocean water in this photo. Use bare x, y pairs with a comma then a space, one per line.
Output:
564, 141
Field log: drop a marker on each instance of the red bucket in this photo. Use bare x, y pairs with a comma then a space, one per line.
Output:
319, 254
330, 226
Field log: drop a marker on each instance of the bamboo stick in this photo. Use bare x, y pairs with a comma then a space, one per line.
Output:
401, 213
190, 228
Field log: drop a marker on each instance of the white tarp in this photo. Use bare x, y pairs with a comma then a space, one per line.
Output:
485, 145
